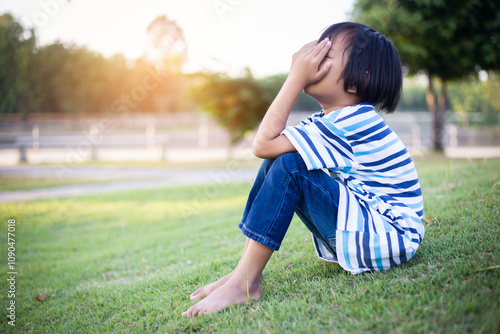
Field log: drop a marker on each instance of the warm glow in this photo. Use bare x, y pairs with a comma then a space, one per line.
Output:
222, 35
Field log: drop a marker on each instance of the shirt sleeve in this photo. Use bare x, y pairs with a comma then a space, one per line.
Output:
321, 144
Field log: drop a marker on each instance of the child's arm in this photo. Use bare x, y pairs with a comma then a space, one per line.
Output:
305, 70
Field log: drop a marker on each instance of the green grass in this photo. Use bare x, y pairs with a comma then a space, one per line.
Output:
127, 262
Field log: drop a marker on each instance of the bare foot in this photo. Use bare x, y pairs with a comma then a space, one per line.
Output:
230, 293
209, 288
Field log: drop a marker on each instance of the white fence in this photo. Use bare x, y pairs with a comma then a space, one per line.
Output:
189, 136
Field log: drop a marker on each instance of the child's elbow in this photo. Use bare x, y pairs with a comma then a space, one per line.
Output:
258, 149
263, 148
270, 149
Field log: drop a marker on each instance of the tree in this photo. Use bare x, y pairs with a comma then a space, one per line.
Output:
446, 39
304, 102
16, 50
167, 51
476, 96
238, 104
168, 40
74, 80
69, 79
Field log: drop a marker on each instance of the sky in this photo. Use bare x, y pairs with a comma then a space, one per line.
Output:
221, 35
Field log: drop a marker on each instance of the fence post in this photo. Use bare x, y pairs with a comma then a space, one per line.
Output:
36, 135
94, 134
93, 152
164, 151
150, 135
415, 134
22, 153
203, 134
453, 135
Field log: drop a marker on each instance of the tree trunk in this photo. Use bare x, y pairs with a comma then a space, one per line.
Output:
441, 116
430, 98
438, 113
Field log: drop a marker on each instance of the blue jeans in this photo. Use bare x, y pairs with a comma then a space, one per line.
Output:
284, 186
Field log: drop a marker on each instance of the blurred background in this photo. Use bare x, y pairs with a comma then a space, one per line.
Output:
125, 162
107, 81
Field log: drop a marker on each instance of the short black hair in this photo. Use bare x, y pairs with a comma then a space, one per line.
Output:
373, 65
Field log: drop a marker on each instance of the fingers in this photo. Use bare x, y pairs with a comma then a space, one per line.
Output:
316, 49
310, 45
306, 49
324, 69
320, 51
322, 48
308, 63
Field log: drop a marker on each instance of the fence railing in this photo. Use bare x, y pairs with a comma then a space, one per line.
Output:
195, 131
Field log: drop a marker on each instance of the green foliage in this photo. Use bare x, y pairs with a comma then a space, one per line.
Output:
73, 80
303, 103
127, 262
413, 98
446, 38
238, 104
16, 51
492, 89
474, 96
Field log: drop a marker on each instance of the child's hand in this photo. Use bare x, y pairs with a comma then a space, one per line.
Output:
306, 63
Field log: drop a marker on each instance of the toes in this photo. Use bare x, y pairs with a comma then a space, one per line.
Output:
196, 295
187, 313
190, 312
201, 292
194, 310
197, 312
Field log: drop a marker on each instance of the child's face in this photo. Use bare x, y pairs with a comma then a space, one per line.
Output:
329, 91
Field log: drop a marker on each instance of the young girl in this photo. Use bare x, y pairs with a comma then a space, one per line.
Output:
343, 170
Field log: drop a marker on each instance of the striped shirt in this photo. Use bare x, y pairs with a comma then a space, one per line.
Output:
380, 209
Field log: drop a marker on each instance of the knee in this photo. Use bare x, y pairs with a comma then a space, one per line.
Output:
267, 163
288, 162
265, 166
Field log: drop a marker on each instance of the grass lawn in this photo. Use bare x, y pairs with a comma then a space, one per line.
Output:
127, 262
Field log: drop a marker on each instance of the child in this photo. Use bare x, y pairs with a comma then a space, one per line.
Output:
342, 170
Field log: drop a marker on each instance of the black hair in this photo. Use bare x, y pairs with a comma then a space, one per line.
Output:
373, 65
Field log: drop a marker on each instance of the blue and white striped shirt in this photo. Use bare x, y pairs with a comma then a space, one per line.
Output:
379, 223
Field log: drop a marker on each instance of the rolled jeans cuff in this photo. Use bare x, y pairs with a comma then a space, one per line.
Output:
259, 238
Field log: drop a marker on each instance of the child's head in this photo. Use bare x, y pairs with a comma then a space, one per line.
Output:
372, 64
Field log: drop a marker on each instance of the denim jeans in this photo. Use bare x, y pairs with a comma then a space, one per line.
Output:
284, 186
